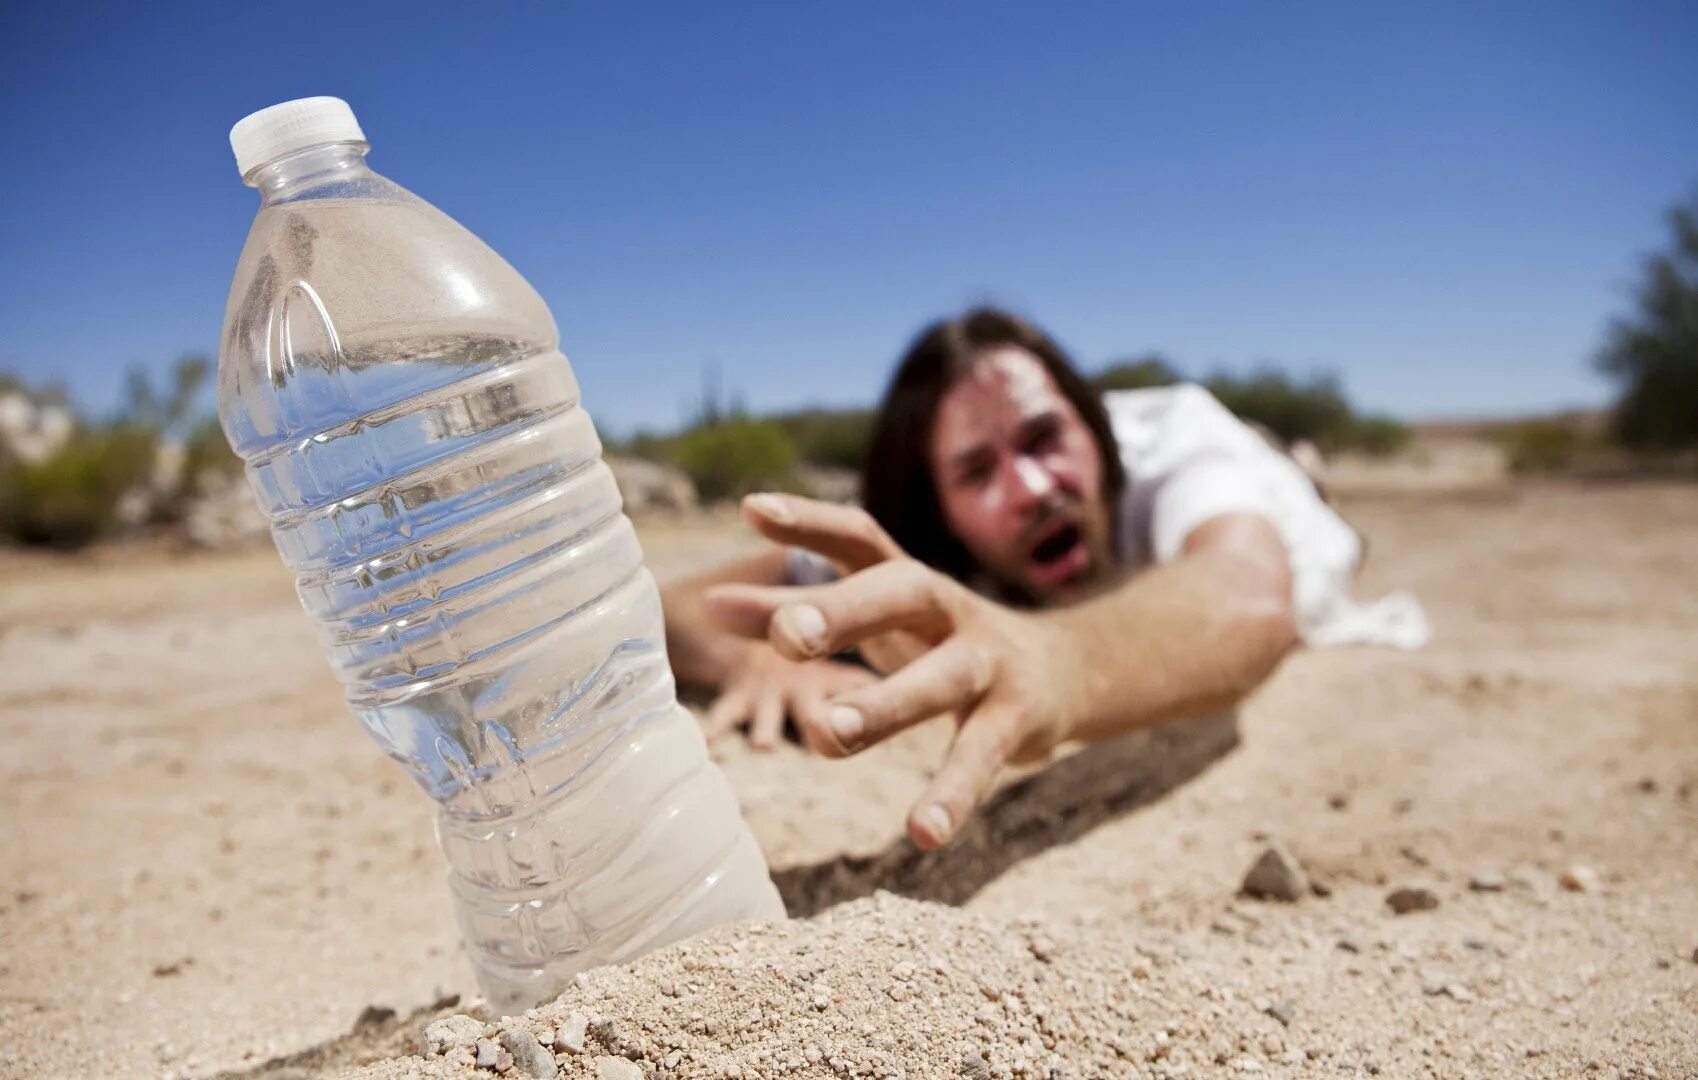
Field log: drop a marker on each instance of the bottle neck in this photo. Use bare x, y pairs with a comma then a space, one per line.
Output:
290, 174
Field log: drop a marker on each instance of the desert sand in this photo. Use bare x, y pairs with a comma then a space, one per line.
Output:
208, 871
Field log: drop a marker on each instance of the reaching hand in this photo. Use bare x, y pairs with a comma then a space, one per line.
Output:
762, 687
1008, 677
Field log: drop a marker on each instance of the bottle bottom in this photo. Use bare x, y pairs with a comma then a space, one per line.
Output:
646, 848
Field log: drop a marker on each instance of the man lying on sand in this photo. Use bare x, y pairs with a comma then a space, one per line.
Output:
1045, 564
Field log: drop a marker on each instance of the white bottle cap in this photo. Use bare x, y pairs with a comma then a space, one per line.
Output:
293, 125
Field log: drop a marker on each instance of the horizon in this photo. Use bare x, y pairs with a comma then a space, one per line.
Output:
1444, 207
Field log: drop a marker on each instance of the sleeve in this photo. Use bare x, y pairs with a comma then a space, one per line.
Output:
1198, 490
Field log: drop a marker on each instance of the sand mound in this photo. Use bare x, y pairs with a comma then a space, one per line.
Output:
877, 987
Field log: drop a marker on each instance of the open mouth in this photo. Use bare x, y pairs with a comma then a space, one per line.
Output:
1057, 545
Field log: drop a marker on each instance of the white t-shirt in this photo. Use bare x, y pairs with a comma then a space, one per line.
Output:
1188, 459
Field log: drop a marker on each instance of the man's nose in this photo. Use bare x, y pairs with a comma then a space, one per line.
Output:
1032, 482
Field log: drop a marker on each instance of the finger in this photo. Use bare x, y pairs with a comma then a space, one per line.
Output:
727, 712
746, 610
847, 535
768, 724
811, 699
975, 758
947, 678
889, 596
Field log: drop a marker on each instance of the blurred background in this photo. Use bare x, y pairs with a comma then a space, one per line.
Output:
1446, 252
1351, 223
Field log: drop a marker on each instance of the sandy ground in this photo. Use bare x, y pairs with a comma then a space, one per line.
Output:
208, 871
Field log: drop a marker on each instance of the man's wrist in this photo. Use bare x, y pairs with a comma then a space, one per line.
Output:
1069, 655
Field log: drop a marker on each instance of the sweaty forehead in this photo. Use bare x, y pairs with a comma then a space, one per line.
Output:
1004, 386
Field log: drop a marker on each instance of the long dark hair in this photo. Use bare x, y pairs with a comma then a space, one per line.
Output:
897, 486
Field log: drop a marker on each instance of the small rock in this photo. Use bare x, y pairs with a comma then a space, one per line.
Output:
1476, 943
612, 1068
528, 1055
1579, 878
1042, 949
488, 1051
1664, 963
1350, 944
569, 1036
1486, 883
1276, 875
975, 1067
1410, 898
1281, 1011
1320, 889
451, 1031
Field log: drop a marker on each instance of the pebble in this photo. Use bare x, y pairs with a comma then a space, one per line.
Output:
1350, 944
1476, 944
569, 1036
1276, 875
1281, 1011
528, 1055
1410, 898
1486, 883
612, 1068
487, 1051
1578, 878
451, 1031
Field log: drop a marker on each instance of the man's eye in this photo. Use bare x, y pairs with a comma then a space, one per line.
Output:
1043, 440
974, 475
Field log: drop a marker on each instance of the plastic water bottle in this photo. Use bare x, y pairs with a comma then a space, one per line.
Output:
414, 434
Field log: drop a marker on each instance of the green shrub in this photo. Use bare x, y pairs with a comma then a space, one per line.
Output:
1139, 374
735, 457
1379, 436
71, 498
829, 438
1539, 445
1315, 410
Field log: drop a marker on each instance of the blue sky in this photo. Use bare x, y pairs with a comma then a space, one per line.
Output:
1444, 203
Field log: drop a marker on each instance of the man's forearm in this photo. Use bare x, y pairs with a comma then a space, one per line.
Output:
1186, 639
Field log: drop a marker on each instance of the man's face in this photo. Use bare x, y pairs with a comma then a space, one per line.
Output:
1020, 477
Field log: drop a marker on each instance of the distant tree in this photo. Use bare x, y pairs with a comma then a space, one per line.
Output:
1152, 369
169, 412
1654, 352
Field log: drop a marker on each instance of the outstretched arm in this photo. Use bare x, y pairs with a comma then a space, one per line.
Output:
1184, 639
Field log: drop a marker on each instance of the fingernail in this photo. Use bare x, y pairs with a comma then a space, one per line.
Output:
806, 627
846, 723
934, 822
771, 507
